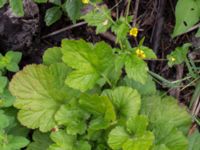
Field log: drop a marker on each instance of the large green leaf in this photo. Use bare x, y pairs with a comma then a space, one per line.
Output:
40, 91
126, 101
90, 62
136, 69
168, 121
187, 14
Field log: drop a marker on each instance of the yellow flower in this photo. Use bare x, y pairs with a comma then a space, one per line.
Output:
133, 32
140, 53
85, 1
173, 59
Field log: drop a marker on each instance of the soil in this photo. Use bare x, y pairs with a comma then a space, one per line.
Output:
155, 17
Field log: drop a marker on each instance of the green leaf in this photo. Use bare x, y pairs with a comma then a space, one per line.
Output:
126, 101
187, 14
179, 55
4, 120
13, 142
3, 83
194, 141
90, 63
100, 18
136, 69
73, 9
121, 28
52, 56
56, 2
137, 125
149, 53
39, 92
2, 3
72, 117
143, 142
17, 7
167, 120
6, 99
175, 141
63, 141
10, 61
14, 57
160, 147
98, 106
148, 89
41, 141
52, 15
117, 137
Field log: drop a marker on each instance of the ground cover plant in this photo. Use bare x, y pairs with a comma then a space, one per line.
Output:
100, 95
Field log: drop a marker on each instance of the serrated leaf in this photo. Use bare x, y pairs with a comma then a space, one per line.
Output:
98, 106
14, 142
63, 141
126, 101
39, 92
90, 63
117, 137
100, 18
136, 69
121, 28
52, 56
168, 121
191, 16
143, 142
73, 9
179, 55
41, 141
52, 15
17, 7
175, 141
72, 117
148, 89
137, 125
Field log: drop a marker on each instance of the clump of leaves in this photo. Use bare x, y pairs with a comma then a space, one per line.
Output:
93, 97
12, 134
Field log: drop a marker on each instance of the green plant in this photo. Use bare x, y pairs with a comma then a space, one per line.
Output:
191, 10
72, 8
12, 134
81, 95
